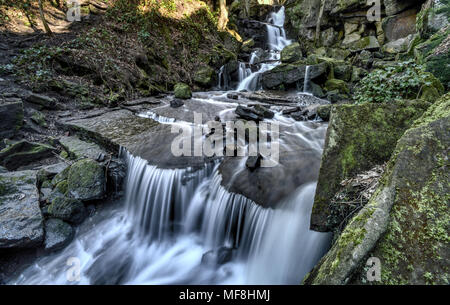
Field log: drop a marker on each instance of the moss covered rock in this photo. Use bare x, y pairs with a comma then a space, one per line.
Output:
359, 137
86, 180
405, 224
291, 53
57, 234
23, 153
337, 84
67, 209
182, 91
204, 77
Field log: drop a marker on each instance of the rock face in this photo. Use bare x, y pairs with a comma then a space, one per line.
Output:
21, 221
57, 234
24, 152
405, 227
400, 26
11, 117
358, 137
86, 180
289, 74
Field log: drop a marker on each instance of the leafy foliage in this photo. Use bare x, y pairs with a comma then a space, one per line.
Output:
402, 81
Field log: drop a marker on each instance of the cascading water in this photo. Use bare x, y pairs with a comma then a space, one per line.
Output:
170, 220
276, 42
306, 81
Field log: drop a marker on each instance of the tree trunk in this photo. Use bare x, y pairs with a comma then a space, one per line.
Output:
319, 20
44, 22
223, 19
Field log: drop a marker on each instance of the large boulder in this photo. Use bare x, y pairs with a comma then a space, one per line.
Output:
366, 43
86, 180
433, 17
358, 137
24, 152
11, 117
290, 74
405, 223
21, 221
182, 91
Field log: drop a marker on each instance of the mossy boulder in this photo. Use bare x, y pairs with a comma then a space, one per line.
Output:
405, 223
291, 53
86, 180
204, 77
23, 153
337, 84
67, 209
359, 137
182, 91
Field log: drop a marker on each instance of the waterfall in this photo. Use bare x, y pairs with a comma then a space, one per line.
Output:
276, 41
224, 78
306, 81
171, 218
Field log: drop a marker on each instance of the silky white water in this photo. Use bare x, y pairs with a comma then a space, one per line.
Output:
276, 42
171, 217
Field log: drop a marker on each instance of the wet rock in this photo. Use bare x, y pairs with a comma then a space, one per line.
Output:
67, 209
291, 53
23, 153
117, 172
21, 221
182, 91
48, 172
58, 234
290, 110
86, 180
290, 74
77, 148
233, 96
219, 256
248, 114
176, 103
298, 116
358, 138
11, 117
343, 72
264, 111
253, 162
42, 100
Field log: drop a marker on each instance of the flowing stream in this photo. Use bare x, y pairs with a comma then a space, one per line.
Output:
181, 226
